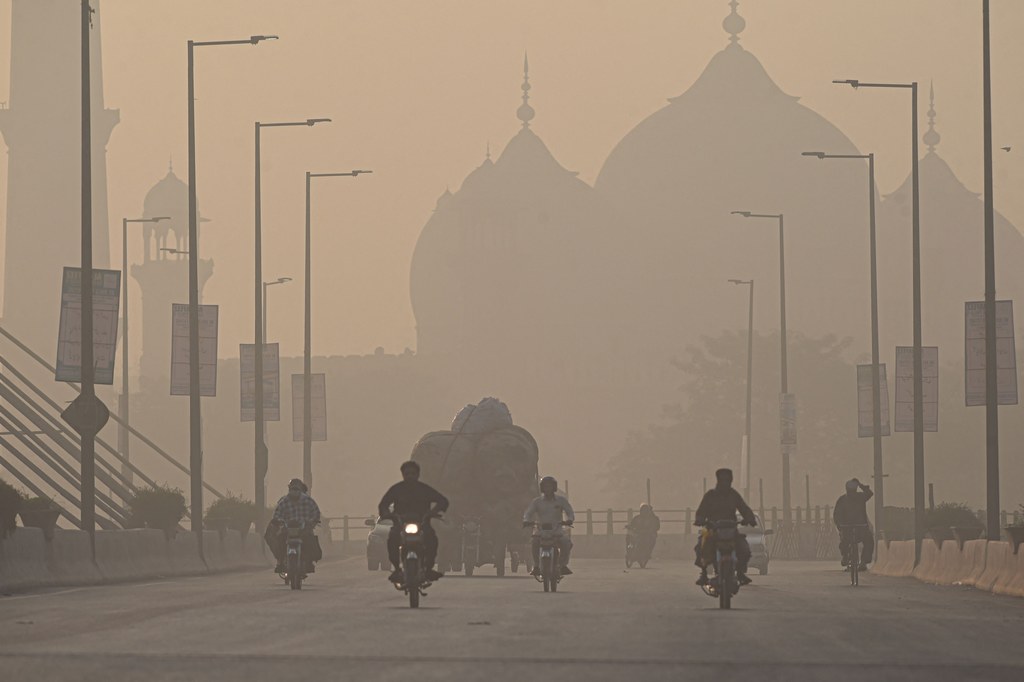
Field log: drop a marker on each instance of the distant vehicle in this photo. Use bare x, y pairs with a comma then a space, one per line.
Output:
377, 544
759, 556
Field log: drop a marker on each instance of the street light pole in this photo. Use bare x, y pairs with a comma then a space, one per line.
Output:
279, 280
88, 394
876, 383
919, 500
261, 452
991, 367
194, 405
750, 370
307, 348
124, 436
783, 342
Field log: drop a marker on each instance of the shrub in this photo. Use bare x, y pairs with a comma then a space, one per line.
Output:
160, 507
239, 512
39, 504
11, 501
951, 514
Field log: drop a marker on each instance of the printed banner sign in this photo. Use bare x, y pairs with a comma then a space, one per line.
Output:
271, 381
905, 387
106, 299
865, 402
318, 393
180, 377
974, 354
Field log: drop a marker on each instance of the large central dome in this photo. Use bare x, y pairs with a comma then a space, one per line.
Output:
733, 141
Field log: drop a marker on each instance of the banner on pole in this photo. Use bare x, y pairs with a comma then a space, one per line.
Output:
271, 381
787, 418
180, 376
866, 403
905, 387
106, 299
318, 393
974, 354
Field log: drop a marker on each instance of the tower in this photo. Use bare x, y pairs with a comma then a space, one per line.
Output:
41, 126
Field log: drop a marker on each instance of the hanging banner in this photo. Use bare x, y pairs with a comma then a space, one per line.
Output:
905, 387
974, 354
271, 381
318, 393
106, 299
180, 375
787, 418
865, 402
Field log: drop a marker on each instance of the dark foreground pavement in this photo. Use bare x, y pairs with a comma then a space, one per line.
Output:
802, 622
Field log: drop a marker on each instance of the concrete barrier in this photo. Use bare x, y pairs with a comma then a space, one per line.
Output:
951, 569
23, 560
1006, 574
881, 563
1015, 585
928, 569
899, 562
975, 553
69, 558
997, 563
183, 552
132, 554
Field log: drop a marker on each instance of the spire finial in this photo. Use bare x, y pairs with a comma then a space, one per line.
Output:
931, 137
525, 113
488, 150
170, 163
734, 23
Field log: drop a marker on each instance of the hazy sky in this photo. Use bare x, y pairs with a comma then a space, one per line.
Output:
417, 88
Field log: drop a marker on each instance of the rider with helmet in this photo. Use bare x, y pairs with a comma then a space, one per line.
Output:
645, 527
722, 503
297, 505
852, 510
550, 508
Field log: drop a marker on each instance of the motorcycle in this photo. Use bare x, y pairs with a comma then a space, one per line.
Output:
295, 561
550, 561
723, 584
413, 552
638, 549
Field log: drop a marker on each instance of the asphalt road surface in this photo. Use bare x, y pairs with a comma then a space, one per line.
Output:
801, 622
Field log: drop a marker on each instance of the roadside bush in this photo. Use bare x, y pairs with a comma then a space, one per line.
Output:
161, 507
11, 501
239, 512
950, 515
39, 504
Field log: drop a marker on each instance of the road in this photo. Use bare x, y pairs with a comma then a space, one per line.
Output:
801, 622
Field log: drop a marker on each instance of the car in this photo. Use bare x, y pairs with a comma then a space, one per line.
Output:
758, 547
377, 544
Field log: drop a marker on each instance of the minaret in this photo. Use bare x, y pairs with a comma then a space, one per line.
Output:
931, 137
41, 126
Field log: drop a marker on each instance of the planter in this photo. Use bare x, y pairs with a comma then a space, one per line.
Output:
45, 519
1016, 534
966, 533
940, 533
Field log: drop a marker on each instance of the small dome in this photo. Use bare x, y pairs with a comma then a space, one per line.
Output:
167, 197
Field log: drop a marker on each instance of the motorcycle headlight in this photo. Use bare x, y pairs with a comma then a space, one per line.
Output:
412, 528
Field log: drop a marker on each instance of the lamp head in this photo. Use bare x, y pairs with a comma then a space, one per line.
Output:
820, 155
282, 280
258, 39
356, 173
159, 218
313, 121
852, 82
745, 214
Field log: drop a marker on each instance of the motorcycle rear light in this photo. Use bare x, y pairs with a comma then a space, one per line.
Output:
412, 528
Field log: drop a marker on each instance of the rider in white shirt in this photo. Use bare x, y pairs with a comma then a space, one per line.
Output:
552, 509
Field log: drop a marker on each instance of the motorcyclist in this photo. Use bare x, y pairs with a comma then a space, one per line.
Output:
722, 503
549, 508
852, 509
645, 527
297, 505
411, 499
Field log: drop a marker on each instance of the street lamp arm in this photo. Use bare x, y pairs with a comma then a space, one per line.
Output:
748, 214
251, 40
350, 174
823, 155
857, 84
310, 122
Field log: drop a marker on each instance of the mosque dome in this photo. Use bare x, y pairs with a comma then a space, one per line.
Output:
502, 267
952, 253
733, 142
